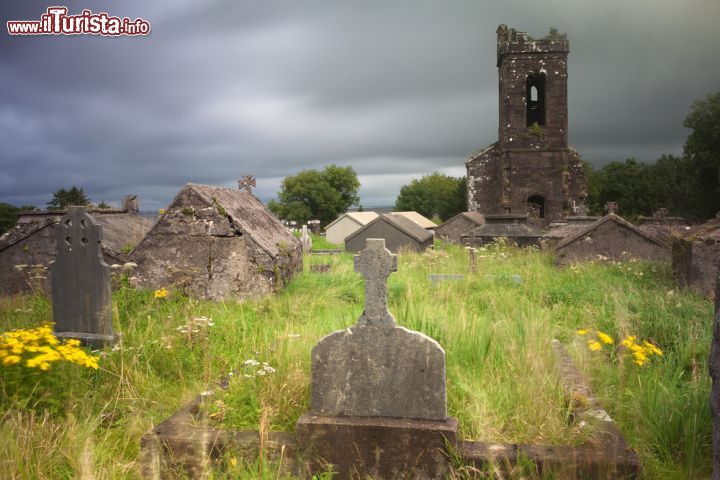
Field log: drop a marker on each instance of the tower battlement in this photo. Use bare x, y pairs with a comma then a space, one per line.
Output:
511, 41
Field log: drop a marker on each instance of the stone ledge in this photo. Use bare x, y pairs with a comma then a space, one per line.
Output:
377, 447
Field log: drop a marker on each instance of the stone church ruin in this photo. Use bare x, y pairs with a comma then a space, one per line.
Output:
530, 169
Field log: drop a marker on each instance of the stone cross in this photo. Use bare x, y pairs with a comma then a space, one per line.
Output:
247, 182
611, 207
661, 213
472, 252
81, 296
376, 263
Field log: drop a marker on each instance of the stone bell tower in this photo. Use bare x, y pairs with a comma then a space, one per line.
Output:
530, 169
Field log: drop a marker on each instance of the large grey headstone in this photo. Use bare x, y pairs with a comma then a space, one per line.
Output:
377, 369
81, 295
472, 253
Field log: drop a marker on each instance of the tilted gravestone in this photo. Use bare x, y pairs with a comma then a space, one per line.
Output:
306, 240
378, 398
472, 252
81, 295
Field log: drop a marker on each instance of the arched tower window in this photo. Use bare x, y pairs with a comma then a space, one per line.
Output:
535, 95
536, 206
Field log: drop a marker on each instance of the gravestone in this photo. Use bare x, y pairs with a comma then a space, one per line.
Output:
472, 252
611, 207
378, 402
436, 278
314, 226
81, 298
306, 240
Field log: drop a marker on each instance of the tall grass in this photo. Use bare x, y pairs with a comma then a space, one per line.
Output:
501, 376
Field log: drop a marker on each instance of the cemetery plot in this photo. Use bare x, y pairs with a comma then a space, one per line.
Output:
500, 366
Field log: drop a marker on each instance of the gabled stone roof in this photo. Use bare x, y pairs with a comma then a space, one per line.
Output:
400, 222
21, 231
416, 218
706, 232
610, 217
476, 217
361, 218
248, 214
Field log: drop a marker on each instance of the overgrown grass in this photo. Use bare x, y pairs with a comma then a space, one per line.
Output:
501, 380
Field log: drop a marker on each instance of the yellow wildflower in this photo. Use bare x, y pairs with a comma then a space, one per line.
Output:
161, 293
582, 331
652, 349
161, 211
629, 341
605, 338
11, 360
594, 345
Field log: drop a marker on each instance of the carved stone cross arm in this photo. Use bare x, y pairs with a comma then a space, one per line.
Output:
247, 182
376, 263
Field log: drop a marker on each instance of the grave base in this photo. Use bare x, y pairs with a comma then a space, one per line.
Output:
382, 448
91, 340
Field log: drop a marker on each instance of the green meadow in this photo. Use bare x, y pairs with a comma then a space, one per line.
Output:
71, 421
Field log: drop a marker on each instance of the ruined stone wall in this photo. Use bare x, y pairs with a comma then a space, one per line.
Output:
453, 230
485, 192
613, 242
695, 265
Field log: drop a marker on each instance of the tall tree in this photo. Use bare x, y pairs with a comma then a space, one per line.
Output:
703, 149
312, 194
435, 195
63, 198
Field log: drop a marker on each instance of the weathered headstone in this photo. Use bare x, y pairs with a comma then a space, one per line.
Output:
306, 240
247, 182
611, 207
436, 278
81, 298
714, 367
314, 226
378, 400
581, 210
472, 253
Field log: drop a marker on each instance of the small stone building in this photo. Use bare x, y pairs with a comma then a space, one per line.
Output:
399, 234
31, 244
217, 243
695, 257
514, 228
530, 169
556, 231
347, 223
610, 237
461, 224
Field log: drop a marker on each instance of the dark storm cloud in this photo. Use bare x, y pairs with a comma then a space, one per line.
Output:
395, 89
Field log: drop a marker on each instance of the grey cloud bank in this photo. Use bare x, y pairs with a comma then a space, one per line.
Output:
223, 89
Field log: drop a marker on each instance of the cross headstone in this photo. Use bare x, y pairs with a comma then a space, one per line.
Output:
581, 210
314, 226
378, 405
81, 295
306, 240
472, 252
246, 182
376, 263
377, 369
611, 207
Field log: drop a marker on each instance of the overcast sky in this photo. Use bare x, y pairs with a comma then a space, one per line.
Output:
396, 89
